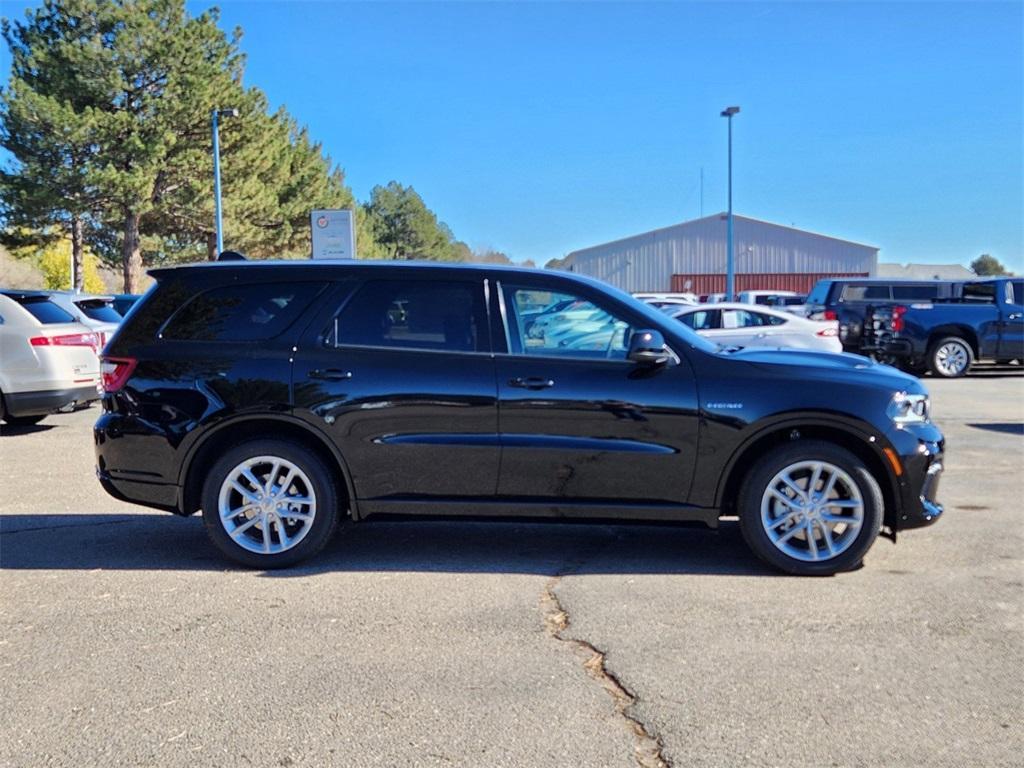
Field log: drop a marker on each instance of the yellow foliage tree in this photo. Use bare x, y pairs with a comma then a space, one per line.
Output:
55, 262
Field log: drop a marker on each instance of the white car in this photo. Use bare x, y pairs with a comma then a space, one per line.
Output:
733, 324
96, 312
661, 299
762, 297
788, 301
48, 362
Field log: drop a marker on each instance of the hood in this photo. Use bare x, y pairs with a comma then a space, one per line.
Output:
811, 363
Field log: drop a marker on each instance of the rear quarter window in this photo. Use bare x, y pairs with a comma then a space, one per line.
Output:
247, 312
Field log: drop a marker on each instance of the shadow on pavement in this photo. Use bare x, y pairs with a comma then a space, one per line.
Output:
1009, 428
995, 371
165, 542
6, 430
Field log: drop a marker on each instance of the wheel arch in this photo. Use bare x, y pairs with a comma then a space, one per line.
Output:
862, 441
243, 428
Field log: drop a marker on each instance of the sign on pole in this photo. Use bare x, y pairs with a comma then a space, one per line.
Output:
334, 234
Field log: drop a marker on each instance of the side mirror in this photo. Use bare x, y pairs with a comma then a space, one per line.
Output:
647, 347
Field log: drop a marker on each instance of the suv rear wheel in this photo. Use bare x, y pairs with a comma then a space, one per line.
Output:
810, 508
270, 503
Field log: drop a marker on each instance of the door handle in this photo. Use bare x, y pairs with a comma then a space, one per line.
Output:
1015, 316
760, 335
330, 374
532, 382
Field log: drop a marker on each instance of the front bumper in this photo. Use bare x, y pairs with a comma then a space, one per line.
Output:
920, 450
47, 401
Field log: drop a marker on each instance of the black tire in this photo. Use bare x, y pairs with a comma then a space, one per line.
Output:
323, 490
23, 421
949, 348
755, 486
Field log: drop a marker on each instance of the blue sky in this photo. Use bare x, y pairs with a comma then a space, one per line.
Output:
540, 128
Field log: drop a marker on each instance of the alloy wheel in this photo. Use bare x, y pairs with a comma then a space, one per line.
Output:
266, 504
951, 358
812, 511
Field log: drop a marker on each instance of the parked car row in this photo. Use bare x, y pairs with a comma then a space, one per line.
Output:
937, 326
49, 351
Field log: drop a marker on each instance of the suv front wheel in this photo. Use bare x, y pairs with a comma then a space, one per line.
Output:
270, 503
810, 508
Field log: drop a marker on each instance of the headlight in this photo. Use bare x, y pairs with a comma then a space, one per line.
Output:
909, 409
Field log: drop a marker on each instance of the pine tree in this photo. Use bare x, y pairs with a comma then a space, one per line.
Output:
48, 127
405, 228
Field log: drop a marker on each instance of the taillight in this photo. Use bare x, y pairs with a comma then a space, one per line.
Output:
115, 371
66, 340
828, 332
897, 318
830, 314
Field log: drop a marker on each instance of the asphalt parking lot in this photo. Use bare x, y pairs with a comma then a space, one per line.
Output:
126, 640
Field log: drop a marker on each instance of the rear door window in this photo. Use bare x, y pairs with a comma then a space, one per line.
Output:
44, 310
253, 312
437, 315
981, 292
1015, 292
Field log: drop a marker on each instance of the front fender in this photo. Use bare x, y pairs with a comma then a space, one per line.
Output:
727, 460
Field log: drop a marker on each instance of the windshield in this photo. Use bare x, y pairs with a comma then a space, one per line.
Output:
99, 309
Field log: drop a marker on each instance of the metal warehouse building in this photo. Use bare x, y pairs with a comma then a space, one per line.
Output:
691, 257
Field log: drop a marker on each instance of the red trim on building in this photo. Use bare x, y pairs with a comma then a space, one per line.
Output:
801, 282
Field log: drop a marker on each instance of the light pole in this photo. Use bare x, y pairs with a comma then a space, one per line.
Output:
730, 276
218, 113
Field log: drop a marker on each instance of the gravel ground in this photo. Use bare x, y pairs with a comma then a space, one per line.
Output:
126, 640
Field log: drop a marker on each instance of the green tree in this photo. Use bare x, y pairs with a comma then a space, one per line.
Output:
133, 81
404, 228
272, 176
988, 265
48, 128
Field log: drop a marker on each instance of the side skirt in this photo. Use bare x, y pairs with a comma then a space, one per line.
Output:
544, 508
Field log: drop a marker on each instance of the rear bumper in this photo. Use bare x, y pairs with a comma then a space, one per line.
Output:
47, 401
888, 346
158, 495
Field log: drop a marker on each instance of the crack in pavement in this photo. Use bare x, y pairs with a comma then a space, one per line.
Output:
647, 748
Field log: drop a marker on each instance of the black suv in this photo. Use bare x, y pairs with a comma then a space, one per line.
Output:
286, 398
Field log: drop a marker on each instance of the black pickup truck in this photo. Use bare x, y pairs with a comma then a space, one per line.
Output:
982, 320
